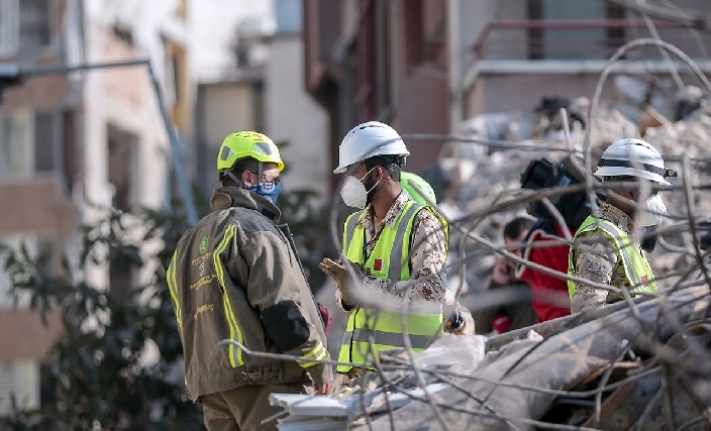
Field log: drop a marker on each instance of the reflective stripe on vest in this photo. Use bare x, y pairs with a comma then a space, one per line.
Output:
220, 271
368, 331
636, 267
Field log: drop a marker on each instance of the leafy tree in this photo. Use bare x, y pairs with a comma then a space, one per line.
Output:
97, 373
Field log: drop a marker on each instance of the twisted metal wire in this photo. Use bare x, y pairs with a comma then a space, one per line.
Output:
471, 244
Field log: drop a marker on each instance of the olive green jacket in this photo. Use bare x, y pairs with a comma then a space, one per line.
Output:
236, 275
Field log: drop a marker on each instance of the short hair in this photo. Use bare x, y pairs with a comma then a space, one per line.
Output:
392, 164
241, 165
516, 227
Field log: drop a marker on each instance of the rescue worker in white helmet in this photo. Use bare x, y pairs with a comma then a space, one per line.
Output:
236, 275
603, 250
396, 248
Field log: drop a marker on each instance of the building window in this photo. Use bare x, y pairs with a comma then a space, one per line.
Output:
23, 297
560, 41
47, 145
55, 145
25, 26
16, 149
176, 68
19, 379
34, 24
122, 167
9, 18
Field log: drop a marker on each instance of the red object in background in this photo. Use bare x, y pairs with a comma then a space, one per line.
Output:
501, 323
550, 294
325, 317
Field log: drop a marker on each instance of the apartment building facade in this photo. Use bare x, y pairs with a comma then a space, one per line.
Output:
40, 168
68, 140
251, 77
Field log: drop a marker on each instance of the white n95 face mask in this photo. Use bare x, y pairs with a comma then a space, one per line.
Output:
655, 212
354, 193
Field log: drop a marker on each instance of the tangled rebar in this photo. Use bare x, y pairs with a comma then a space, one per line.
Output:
643, 363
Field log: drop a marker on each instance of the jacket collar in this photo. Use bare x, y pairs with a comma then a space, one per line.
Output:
616, 216
228, 197
393, 213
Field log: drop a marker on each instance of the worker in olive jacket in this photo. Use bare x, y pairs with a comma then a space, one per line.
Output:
236, 275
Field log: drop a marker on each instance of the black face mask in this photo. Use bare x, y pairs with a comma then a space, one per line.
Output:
372, 185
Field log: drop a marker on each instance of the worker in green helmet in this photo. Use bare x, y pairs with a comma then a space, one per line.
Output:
419, 190
236, 276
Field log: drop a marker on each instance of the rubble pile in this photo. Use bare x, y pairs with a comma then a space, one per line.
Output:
485, 175
614, 368
625, 366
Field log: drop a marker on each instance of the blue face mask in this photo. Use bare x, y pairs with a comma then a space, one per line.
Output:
270, 191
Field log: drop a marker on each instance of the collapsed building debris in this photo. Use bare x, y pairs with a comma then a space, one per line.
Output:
642, 364
640, 367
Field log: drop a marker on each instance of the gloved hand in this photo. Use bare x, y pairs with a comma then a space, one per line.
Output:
460, 323
344, 282
325, 317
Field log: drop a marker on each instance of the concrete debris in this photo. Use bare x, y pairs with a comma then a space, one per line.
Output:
524, 387
643, 365
376, 394
613, 362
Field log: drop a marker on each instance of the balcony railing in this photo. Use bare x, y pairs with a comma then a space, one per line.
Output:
579, 39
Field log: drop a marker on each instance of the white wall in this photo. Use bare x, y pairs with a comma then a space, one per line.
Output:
293, 115
20, 379
125, 98
213, 28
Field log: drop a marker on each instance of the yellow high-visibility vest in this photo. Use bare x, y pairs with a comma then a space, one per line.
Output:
369, 331
636, 266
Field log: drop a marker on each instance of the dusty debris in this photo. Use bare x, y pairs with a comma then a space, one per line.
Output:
384, 392
644, 366
507, 395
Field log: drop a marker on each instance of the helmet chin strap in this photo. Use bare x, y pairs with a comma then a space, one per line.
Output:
239, 182
234, 178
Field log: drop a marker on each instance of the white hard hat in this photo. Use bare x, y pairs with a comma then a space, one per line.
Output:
367, 140
634, 158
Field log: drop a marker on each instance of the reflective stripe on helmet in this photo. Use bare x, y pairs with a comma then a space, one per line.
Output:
627, 164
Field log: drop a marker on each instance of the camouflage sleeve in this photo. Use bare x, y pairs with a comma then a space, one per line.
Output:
595, 262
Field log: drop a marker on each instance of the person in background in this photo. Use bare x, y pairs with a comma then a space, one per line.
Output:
518, 312
396, 249
236, 276
419, 190
603, 250
549, 293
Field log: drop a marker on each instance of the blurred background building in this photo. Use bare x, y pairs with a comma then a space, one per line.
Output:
425, 65
303, 71
69, 141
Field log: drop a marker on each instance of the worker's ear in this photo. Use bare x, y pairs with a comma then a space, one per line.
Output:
246, 178
377, 173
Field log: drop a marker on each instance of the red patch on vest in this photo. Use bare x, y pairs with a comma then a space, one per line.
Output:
378, 265
644, 281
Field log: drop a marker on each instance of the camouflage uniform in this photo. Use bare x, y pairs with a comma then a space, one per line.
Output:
598, 263
427, 257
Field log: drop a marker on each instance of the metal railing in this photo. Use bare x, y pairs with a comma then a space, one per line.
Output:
577, 39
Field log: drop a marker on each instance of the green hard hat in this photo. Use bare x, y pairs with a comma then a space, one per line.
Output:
419, 189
